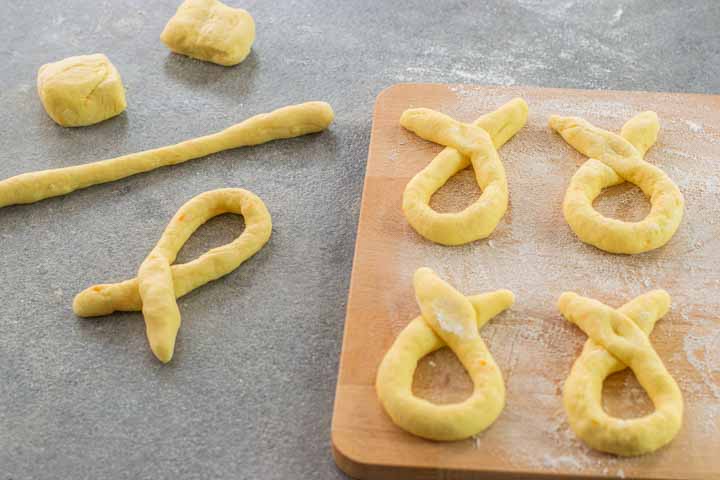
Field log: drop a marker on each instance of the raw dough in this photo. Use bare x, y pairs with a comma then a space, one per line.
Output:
448, 318
618, 340
158, 284
615, 159
286, 122
466, 143
82, 90
211, 31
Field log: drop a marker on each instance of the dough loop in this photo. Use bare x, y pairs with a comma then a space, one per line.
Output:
618, 340
467, 144
158, 284
448, 318
615, 159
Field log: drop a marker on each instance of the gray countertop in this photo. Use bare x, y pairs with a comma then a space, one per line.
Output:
249, 393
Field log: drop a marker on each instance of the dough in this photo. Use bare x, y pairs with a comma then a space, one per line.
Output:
615, 159
158, 284
466, 144
211, 31
618, 340
447, 318
79, 91
286, 122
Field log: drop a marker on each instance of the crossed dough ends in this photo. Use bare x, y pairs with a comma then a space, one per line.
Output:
618, 339
614, 159
448, 319
158, 284
466, 144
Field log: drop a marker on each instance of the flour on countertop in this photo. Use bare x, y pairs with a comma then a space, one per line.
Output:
617, 15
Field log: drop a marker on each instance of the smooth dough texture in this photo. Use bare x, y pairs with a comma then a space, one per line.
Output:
158, 283
467, 144
286, 122
618, 340
615, 159
82, 90
448, 318
211, 31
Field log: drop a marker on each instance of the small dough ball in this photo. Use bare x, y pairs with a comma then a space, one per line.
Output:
82, 90
211, 31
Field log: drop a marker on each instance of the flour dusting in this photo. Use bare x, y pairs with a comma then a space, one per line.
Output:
448, 322
694, 127
534, 254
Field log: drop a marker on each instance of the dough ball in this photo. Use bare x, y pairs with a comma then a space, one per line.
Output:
81, 90
211, 31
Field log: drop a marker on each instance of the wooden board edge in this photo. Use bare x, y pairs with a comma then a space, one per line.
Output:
366, 468
595, 91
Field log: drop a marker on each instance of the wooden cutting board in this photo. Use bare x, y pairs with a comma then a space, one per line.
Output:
533, 253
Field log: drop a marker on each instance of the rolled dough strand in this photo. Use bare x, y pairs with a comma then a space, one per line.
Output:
448, 318
158, 284
468, 143
618, 339
286, 122
614, 159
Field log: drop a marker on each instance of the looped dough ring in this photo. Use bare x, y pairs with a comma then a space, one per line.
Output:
618, 340
467, 144
448, 318
615, 159
158, 284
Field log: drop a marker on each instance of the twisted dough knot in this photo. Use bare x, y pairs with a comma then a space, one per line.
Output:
158, 284
615, 159
467, 144
448, 319
618, 340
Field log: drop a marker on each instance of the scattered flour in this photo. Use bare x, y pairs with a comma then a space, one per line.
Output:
562, 461
702, 348
534, 254
447, 320
617, 15
694, 127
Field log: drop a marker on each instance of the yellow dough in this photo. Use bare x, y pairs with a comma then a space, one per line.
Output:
158, 283
615, 159
211, 31
618, 340
467, 144
286, 122
82, 90
447, 318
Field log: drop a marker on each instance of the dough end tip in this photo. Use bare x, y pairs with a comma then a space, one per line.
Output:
565, 299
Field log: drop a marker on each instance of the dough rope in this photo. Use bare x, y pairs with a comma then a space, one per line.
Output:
448, 319
286, 122
618, 340
466, 144
615, 159
158, 284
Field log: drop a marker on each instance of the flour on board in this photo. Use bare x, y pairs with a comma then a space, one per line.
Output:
534, 254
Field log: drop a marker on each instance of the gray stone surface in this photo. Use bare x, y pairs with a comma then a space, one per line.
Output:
249, 393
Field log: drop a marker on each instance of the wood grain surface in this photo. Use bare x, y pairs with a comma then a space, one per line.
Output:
533, 253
